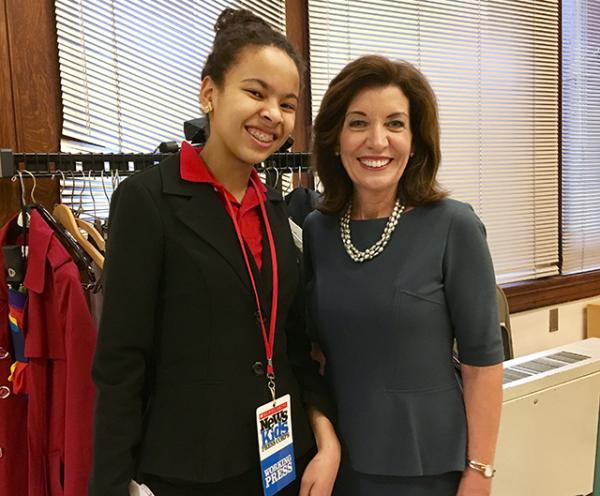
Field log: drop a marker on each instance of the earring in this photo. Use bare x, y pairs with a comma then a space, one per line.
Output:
412, 154
208, 108
337, 153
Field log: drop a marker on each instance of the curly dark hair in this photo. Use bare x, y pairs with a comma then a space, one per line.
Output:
418, 184
237, 29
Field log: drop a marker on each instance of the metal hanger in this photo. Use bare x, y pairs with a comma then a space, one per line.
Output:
68, 219
76, 252
87, 226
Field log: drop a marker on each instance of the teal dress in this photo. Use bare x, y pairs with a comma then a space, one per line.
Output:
387, 328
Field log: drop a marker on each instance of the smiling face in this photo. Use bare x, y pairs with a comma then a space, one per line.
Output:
254, 108
376, 139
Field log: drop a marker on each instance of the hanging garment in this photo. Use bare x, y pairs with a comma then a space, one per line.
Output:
13, 407
59, 345
16, 310
301, 202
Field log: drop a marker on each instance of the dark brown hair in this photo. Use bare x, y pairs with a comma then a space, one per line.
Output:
418, 184
236, 30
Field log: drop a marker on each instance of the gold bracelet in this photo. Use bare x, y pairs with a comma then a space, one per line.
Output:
486, 470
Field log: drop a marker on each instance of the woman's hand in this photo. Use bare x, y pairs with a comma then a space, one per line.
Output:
319, 475
473, 483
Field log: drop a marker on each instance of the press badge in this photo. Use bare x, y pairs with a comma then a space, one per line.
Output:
275, 444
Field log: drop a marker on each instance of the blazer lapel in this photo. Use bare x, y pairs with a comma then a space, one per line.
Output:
204, 214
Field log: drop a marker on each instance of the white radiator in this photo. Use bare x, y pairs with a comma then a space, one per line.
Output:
548, 431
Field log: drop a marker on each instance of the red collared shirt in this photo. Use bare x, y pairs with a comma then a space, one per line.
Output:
193, 168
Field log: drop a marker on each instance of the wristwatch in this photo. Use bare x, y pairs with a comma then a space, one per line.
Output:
486, 470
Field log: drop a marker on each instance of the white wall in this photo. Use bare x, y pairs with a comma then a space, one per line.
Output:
530, 329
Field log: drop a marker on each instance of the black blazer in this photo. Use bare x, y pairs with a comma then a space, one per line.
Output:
177, 390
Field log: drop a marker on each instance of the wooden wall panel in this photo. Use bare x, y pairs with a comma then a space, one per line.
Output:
46, 193
35, 74
8, 134
297, 33
30, 99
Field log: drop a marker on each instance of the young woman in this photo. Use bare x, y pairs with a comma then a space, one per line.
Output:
200, 324
396, 272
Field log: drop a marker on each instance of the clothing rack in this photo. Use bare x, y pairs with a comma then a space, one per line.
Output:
48, 164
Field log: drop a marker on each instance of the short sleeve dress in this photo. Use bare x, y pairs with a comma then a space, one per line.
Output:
387, 328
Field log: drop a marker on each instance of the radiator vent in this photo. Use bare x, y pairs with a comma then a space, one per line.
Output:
541, 364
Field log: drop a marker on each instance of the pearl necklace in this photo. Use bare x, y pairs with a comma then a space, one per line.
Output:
377, 248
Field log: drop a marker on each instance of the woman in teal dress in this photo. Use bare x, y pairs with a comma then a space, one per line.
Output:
396, 274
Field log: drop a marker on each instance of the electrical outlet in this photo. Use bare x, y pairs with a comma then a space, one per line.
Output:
553, 320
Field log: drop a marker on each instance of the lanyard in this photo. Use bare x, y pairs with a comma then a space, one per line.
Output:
269, 339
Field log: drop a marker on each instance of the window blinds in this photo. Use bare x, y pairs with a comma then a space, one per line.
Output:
494, 67
130, 69
581, 135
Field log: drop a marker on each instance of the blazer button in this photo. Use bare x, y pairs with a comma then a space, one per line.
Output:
3, 353
4, 392
258, 368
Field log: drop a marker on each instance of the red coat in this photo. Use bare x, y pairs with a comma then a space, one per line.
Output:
60, 339
13, 408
